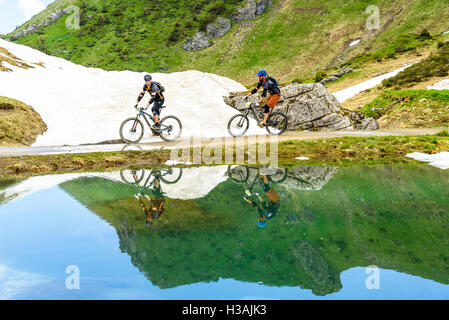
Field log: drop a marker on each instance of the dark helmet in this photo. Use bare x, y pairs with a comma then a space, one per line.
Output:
147, 77
262, 72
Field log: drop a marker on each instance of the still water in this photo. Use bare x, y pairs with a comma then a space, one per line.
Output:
227, 233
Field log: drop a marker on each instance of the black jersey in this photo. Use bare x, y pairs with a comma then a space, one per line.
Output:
268, 84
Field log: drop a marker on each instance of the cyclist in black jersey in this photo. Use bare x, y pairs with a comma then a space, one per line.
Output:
271, 85
156, 96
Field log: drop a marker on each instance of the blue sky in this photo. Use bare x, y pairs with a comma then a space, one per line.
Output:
15, 12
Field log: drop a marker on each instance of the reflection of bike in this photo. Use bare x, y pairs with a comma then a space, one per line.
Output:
239, 124
242, 174
168, 176
132, 129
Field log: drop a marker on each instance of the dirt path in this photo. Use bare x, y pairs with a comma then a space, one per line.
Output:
303, 135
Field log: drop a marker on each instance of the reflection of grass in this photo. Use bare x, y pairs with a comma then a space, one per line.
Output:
393, 217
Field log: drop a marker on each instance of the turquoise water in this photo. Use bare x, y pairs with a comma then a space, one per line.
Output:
324, 227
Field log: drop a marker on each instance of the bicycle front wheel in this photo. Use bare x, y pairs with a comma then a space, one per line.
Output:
171, 128
276, 123
238, 125
171, 176
131, 130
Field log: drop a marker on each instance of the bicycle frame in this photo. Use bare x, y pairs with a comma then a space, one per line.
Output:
144, 115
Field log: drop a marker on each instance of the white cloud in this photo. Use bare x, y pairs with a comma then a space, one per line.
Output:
15, 282
30, 7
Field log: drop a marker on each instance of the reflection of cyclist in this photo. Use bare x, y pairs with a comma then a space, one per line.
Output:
271, 85
155, 89
268, 208
156, 199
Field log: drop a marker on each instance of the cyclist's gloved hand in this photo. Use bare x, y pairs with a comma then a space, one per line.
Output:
136, 106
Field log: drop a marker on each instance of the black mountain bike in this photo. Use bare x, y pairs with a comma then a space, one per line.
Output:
239, 124
250, 175
131, 130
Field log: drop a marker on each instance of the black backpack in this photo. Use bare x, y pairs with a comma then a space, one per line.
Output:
274, 81
161, 87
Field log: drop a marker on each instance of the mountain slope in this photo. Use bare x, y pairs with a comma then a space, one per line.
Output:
293, 39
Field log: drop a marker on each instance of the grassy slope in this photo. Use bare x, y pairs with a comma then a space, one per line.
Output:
393, 217
287, 40
422, 108
19, 123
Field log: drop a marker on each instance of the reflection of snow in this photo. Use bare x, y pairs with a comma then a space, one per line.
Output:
87, 105
439, 160
442, 85
194, 182
15, 282
350, 92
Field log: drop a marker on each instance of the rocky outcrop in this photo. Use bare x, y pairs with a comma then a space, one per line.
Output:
311, 107
325, 280
336, 76
201, 40
32, 28
219, 28
308, 178
251, 10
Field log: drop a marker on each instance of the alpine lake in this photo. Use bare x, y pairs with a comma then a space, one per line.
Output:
227, 232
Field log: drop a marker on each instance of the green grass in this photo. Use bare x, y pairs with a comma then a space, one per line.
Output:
291, 44
19, 123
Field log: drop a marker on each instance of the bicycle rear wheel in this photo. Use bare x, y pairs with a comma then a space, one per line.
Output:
131, 130
276, 123
238, 174
238, 125
132, 176
170, 129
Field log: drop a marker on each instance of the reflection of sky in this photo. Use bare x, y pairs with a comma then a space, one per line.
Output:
42, 234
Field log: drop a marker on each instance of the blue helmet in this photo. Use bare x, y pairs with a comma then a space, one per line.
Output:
262, 72
262, 224
147, 77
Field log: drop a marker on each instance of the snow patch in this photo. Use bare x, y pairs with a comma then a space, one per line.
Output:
87, 105
352, 91
439, 160
302, 158
353, 43
442, 85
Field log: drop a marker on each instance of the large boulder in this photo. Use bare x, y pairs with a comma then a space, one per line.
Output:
311, 107
308, 178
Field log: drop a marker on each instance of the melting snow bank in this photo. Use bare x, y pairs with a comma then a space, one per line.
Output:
439, 160
442, 85
350, 92
87, 105
194, 183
